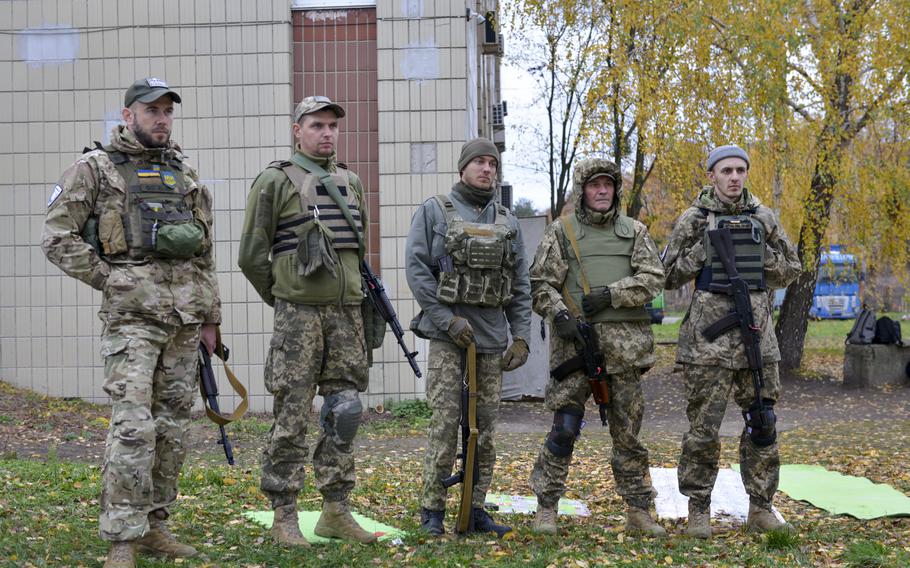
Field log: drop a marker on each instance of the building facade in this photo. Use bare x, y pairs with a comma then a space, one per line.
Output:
417, 78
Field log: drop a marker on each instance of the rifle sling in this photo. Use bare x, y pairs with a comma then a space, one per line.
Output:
567, 367
222, 419
721, 326
585, 284
332, 189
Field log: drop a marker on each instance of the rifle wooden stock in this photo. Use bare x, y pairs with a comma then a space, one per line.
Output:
465, 520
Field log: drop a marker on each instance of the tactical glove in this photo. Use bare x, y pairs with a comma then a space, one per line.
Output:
516, 355
565, 324
596, 301
461, 332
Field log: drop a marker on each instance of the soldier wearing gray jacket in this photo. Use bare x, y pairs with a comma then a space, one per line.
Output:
467, 268
713, 369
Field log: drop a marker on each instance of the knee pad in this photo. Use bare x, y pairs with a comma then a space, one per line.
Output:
340, 416
761, 423
566, 429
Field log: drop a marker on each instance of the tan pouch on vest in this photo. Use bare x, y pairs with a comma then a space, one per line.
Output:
111, 233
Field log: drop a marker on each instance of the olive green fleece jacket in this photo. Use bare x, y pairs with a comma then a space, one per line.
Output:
273, 197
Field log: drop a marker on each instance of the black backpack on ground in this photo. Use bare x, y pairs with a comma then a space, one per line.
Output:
887, 332
863, 330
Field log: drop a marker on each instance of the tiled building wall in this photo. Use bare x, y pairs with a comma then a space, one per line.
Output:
64, 66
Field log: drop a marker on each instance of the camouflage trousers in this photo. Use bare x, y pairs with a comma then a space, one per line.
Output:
624, 415
707, 391
444, 385
312, 347
150, 374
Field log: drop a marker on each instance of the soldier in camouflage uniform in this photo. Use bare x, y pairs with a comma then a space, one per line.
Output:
303, 257
467, 269
606, 276
713, 369
131, 219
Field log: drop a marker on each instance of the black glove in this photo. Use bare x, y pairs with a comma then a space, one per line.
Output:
565, 324
596, 301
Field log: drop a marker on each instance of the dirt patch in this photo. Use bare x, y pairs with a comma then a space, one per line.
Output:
32, 425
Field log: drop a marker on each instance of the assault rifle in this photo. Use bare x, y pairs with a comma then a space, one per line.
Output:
381, 302
470, 468
591, 361
209, 389
760, 419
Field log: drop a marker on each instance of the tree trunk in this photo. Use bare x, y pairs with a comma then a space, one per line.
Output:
794, 313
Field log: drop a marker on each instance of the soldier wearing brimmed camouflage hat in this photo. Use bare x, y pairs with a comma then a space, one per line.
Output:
467, 268
598, 266
132, 220
712, 369
301, 249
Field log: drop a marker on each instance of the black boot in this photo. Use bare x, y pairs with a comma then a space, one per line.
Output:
431, 522
483, 522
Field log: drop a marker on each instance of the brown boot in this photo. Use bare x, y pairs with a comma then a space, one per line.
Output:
762, 520
286, 527
121, 555
545, 520
336, 521
159, 540
639, 521
699, 520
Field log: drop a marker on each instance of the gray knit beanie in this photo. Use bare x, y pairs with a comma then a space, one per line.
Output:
728, 151
474, 148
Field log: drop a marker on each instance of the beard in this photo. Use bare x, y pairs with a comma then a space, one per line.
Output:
146, 139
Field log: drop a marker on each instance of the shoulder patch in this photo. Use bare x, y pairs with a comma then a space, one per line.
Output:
54, 195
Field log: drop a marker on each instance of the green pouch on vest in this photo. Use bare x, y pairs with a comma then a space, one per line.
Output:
179, 241
373, 324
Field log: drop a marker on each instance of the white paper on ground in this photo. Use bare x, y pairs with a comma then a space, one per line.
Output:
728, 499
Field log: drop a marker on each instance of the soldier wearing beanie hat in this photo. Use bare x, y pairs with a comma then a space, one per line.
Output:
712, 368
465, 298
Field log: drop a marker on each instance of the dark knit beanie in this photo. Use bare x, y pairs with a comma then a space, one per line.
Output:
474, 148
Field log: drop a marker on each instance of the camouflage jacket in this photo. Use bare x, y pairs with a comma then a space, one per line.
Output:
165, 289
684, 257
628, 344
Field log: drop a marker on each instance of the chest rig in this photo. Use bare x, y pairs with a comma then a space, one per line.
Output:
157, 203
749, 243
479, 265
317, 207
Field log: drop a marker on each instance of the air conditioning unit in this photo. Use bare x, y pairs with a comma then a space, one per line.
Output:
494, 46
499, 138
498, 113
505, 194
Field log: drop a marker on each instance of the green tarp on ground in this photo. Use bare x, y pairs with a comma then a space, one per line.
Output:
842, 494
307, 521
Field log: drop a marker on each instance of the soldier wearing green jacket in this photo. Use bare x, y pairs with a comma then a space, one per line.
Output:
303, 256
598, 265
714, 369
132, 220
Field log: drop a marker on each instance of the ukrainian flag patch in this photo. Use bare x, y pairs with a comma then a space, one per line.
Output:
147, 173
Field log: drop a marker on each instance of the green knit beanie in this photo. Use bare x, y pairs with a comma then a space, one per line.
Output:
474, 148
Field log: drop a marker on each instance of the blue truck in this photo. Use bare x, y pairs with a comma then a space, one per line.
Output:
837, 290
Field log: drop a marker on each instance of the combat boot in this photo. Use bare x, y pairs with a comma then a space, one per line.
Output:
483, 522
121, 555
639, 521
699, 520
545, 520
336, 521
286, 527
159, 540
431, 522
762, 519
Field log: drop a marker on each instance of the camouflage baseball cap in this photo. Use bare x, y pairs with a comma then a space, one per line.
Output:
315, 104
148, 90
